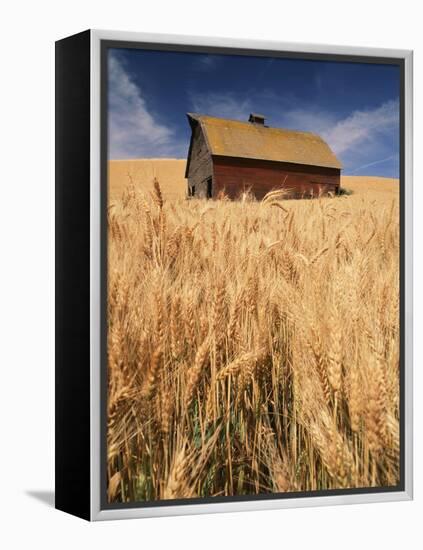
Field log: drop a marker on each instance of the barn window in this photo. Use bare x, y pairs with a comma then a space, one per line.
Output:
192, 190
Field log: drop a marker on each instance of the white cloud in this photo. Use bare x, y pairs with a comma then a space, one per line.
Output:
350, 133
133, 131
225, 105
365, 138
307, 120
374, 163
362, 127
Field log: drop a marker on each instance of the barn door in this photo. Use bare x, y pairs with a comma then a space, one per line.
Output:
209, 188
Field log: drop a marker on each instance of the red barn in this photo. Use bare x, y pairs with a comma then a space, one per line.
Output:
231, 157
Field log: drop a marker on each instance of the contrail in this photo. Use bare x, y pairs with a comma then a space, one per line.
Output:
373, 163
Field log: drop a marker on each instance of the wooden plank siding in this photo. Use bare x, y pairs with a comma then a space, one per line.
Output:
200, 167
236, 175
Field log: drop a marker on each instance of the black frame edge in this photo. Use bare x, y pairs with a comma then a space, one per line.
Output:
72, 250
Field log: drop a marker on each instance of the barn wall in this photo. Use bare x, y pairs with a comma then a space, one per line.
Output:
200, 167
233, 176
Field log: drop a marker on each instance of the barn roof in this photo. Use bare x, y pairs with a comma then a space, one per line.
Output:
233, 138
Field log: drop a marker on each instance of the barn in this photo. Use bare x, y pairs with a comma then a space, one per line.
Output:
230, 157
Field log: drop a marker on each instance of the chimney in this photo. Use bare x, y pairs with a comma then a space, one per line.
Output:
256, 119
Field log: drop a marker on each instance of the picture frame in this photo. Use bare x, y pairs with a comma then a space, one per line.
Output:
82, 326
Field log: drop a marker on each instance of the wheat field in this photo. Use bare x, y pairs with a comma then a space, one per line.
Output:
141, 173
253, 347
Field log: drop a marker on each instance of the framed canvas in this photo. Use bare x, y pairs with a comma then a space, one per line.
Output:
233, 275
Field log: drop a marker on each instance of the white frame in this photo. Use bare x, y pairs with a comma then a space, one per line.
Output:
155, 511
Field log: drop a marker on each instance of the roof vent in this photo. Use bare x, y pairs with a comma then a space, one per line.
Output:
256, 119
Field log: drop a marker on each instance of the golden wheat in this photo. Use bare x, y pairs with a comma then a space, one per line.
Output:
252, 349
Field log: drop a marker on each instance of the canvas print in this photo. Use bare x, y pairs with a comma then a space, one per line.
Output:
253, 237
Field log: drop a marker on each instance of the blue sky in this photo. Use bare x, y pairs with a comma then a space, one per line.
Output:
353, 106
